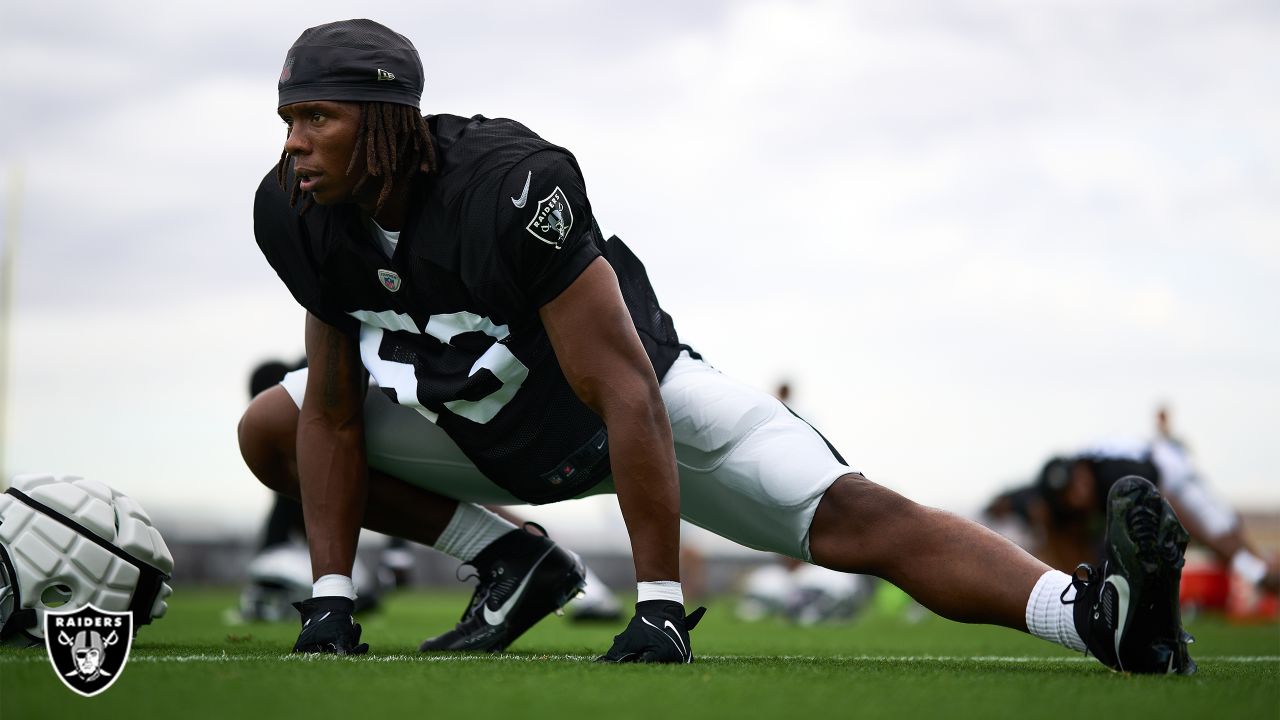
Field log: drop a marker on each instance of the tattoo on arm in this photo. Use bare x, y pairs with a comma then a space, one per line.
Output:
335, 366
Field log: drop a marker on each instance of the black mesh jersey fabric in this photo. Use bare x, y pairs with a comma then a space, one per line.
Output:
449, 324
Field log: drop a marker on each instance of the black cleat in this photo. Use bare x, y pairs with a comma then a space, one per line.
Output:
1126, 610
523, 578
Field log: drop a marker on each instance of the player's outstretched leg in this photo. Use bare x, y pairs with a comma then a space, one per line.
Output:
523, 577
1126, 609
965, 572
956, 568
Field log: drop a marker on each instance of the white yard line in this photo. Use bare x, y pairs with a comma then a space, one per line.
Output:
39, 657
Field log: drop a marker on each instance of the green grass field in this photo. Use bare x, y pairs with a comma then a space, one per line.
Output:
192, 664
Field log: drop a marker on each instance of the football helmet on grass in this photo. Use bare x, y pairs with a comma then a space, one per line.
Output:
67, 542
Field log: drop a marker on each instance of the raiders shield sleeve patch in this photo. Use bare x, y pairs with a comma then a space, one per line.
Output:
553, 220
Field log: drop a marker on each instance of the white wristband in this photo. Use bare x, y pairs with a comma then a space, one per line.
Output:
668, 590
330, 585
1249, 566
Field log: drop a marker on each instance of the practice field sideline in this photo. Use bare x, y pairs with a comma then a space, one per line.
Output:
193, 664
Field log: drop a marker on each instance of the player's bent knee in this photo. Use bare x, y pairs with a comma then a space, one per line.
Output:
855, 528
267, 435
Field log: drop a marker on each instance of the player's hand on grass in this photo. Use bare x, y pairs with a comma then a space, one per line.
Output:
327, 627
658, 633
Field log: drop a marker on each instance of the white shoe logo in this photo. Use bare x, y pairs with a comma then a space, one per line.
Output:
1122, 609
497, 617
524, 194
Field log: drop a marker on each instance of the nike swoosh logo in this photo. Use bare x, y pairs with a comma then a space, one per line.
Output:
524, 194
1122, 609
674, 636
497, 617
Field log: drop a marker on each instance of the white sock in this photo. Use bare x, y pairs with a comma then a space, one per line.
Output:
470, 530
1048, 618
668, 590
331, 585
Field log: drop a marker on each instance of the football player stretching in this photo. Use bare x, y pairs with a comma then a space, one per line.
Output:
520, 355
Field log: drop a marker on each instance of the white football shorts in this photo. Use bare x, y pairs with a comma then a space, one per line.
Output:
750, 470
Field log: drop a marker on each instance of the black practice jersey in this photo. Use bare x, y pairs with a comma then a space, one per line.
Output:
449, 323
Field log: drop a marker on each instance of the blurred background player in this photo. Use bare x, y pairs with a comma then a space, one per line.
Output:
1060, 517
280, 571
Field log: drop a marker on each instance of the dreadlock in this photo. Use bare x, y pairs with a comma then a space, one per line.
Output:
394, 142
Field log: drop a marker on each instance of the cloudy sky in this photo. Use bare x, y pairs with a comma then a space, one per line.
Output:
972, 233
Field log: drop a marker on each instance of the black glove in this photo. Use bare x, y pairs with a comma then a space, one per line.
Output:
327, 627
658, 633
